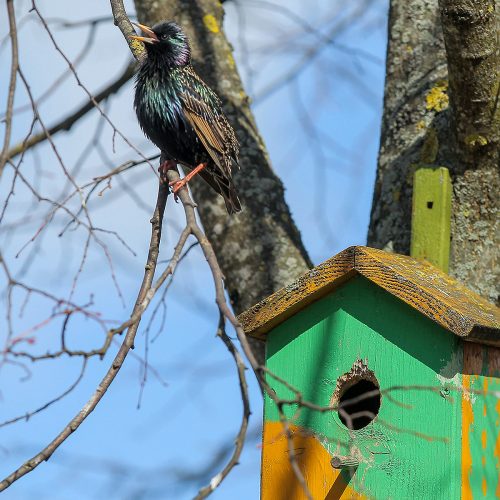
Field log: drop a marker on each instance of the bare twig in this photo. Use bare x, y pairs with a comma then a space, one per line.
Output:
67, 123
80, 83
311, 53
143, 298
240, 438
30, 414
86, 49
12, 85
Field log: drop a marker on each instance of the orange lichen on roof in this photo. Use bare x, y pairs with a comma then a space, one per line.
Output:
417, 283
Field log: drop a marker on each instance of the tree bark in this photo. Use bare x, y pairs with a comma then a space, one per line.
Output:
260, 249
471, 33
422, 125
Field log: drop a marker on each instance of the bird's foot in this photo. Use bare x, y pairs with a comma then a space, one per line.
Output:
165, 167
176, 185
180, 183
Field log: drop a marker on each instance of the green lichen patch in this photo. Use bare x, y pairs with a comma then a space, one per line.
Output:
474, 141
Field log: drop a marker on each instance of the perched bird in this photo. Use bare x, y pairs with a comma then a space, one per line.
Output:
181, 115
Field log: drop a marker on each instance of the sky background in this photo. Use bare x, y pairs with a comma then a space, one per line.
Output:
322, 130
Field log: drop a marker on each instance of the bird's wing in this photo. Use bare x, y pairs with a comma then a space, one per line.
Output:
202, 109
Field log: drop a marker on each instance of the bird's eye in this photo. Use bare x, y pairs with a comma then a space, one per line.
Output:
164, 36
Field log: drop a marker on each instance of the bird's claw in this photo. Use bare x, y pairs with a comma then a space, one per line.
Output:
164, 168
176, 186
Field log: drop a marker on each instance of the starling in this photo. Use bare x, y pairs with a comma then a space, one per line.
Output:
181, 115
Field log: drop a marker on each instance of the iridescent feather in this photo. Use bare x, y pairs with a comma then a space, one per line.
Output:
182, 115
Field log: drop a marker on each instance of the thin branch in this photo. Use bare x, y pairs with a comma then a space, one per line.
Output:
64, 23
86, 49
80, 83
310, 55
122, 20
30, 414
240, 438
12, 85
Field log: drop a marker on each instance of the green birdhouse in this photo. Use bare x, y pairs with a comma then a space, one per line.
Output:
400, 367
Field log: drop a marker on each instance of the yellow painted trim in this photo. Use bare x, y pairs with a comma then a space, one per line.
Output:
278, 479
467, 420
484, 487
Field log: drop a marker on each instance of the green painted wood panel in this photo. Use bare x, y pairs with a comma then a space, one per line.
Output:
413, 448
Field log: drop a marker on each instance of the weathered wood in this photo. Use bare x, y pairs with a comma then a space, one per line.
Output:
418, 284
309, 287
431, 216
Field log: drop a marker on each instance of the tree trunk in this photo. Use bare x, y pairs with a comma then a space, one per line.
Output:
421, 125
260, 249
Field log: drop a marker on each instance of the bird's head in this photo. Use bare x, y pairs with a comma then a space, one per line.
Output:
166, 43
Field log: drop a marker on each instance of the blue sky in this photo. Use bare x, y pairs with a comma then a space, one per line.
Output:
322, 132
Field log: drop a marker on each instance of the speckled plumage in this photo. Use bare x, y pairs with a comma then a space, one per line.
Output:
181, 115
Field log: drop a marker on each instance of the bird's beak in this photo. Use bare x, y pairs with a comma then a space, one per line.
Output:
151, 38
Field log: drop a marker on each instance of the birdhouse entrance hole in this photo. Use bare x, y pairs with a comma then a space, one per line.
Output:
357, 396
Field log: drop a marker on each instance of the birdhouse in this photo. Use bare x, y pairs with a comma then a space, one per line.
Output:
388, 372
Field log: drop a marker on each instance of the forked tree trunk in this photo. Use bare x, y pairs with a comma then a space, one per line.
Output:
421, 126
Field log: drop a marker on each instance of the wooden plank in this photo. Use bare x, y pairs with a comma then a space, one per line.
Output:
431, 216
419, 284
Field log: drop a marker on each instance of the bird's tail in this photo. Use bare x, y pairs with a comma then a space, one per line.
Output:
231, 199
225, 187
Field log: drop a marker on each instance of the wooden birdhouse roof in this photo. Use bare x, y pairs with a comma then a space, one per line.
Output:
417, 283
